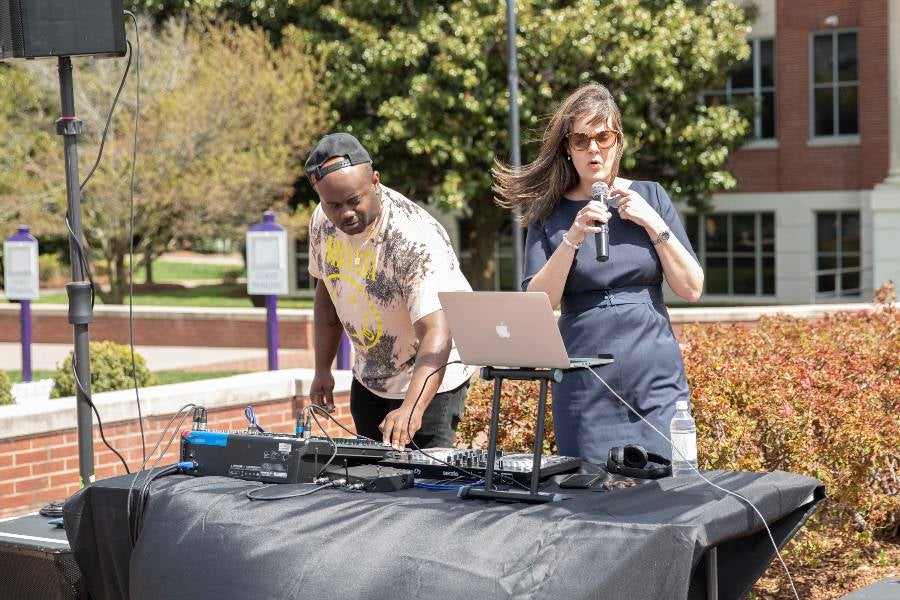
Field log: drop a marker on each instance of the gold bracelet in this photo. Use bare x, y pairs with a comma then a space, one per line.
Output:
570, 244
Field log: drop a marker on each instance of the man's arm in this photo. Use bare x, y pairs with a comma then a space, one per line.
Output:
327, 331
434, 349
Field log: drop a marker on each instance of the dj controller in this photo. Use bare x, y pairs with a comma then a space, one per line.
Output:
283, 458
460, 463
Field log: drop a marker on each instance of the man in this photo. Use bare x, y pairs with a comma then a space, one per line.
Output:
380, 261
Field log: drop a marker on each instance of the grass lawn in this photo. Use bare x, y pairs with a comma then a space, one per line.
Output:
178, 271
162, 377
219, 295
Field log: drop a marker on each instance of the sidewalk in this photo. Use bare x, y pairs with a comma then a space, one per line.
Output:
164, 358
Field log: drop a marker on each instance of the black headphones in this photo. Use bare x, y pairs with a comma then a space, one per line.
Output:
632, 460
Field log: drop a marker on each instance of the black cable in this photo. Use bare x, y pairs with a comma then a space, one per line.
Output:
416, 447
137, 110
90, 402
334, 448
150, 476
250, 495
422, 391
109, 118
128, 516
338, 423
144, 496
79, 249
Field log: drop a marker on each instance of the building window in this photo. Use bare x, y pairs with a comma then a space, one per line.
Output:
736, 251
837, 254
835, 84
751, 89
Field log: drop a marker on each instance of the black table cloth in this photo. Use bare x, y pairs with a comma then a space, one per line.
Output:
203, 538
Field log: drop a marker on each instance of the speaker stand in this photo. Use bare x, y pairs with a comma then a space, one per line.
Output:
532, 495
79, 291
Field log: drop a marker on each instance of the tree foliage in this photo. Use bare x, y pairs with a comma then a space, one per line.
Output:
225, 118
424, 85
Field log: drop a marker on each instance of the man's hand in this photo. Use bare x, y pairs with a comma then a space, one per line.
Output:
320, 392
398, 429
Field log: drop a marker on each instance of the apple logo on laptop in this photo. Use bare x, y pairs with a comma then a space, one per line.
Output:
502, 330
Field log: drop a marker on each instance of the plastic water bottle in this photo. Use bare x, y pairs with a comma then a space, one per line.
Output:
683, 432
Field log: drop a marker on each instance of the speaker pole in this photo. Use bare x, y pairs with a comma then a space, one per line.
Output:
78, 290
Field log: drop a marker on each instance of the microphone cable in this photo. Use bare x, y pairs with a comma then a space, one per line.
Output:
696, 470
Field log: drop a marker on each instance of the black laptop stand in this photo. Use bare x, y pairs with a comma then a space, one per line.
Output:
531, 495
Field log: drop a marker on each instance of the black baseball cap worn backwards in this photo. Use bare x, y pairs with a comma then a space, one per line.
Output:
330, 146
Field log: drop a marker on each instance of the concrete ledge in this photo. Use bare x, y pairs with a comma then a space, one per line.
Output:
166, 312
46, 416
753, 313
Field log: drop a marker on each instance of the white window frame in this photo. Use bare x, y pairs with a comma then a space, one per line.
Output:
758, 89
835, 85
729, 254
839, 271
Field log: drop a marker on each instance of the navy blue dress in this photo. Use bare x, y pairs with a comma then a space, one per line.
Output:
614, 307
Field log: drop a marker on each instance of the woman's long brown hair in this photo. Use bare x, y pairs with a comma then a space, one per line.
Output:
537, 187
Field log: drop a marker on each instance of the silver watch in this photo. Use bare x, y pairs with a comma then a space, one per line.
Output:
662, 237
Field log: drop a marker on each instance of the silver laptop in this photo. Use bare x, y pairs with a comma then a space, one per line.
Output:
508, 329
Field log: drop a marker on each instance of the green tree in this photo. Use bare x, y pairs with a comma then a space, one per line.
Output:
225, 119
423, 84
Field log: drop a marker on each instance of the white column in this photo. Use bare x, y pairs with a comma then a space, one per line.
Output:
894, 90
885, 198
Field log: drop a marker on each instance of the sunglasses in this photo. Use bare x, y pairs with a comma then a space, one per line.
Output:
605, 139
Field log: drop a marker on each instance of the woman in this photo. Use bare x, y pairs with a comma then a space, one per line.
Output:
611, 307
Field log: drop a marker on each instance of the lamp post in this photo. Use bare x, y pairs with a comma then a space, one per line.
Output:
515, 159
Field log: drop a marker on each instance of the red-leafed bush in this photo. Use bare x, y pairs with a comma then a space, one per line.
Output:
518, 416
814, 397
819, 398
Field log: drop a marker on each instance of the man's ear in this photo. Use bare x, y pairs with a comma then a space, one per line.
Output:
376, 177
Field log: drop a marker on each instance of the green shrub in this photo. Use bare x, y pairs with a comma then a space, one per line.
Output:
110, 370
5, 389
818, 398
518, 417
50, 267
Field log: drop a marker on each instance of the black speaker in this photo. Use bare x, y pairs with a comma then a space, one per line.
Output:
34, 565
39, 28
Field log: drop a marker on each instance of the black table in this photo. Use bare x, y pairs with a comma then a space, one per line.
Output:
202, 538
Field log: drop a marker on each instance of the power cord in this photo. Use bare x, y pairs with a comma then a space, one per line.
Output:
134, 145
696, 470
320, 482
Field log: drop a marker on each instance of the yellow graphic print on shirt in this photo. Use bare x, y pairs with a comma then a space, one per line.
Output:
370, 332
347, 259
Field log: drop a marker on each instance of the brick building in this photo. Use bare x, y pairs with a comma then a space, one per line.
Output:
816, 215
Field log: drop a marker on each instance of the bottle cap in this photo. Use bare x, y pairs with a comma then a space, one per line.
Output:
681, 405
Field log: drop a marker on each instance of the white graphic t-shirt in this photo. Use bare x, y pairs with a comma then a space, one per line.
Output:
383, 281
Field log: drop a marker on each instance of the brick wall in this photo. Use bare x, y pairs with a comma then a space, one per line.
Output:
38, 469
794, 165
241, 329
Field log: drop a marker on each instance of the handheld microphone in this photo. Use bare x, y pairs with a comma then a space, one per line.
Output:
598, 192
